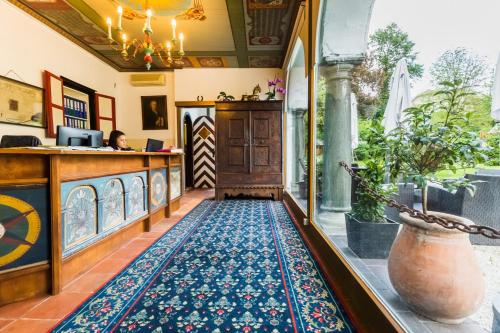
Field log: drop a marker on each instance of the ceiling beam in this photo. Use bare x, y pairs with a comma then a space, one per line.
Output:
237, 19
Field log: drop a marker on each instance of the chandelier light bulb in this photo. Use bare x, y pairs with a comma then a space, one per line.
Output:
108, 22
169, 46
124, 39
174, 24
120, 12
149, 13
181, 38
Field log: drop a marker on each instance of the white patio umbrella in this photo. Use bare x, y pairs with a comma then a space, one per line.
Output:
354, 122
399, 97
495, 103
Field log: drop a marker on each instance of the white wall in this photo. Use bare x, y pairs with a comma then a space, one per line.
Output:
130, 121
29, 47
208, 82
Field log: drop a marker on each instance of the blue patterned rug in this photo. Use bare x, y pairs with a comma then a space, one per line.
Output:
232, 266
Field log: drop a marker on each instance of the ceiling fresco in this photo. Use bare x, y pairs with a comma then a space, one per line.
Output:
218, 33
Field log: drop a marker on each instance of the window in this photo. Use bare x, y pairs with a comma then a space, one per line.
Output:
296, 127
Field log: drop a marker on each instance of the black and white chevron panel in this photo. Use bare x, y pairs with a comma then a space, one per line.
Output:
204, 152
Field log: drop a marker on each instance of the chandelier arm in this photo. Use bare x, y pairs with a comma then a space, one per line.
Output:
167, 62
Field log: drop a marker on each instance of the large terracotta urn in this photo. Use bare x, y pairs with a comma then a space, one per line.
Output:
435, 271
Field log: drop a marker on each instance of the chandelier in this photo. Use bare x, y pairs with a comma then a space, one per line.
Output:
169, 55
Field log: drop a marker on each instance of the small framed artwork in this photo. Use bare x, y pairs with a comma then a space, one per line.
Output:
21, 103
154, 112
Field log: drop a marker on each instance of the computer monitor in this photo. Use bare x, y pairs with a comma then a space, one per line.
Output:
154, 145
69, 136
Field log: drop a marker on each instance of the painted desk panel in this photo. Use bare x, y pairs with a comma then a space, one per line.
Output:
94, 208
86, 204
159, 188
24, 226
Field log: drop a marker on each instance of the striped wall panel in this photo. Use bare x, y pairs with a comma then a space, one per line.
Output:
204, 152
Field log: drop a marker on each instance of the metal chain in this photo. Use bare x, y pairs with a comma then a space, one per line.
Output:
470, 229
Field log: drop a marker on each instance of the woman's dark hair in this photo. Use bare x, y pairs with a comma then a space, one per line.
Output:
113, 138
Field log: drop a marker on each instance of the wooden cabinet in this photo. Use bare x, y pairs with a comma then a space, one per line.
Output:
248, 149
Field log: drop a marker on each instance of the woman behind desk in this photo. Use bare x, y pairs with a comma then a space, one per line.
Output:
118, 141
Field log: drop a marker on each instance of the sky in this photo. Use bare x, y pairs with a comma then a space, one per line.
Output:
439, 25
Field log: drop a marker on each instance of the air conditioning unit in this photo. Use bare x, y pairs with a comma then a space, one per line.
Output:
147, 79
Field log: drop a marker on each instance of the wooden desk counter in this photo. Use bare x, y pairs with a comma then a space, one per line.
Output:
61, 211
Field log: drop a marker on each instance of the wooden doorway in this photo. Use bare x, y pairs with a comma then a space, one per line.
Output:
188, 149
188, 112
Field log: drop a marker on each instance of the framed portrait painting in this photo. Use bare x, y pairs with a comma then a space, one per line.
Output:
154, 112
21, 103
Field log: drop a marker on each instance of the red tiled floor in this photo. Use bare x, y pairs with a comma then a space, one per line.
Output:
5, 322
18, 309
30, 326
110, 265
141, 243
88, 282
126, 253
58, 306
43, 313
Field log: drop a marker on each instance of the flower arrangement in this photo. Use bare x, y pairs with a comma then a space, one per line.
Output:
273, 87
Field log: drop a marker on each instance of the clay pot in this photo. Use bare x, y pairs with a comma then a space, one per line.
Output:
435, 271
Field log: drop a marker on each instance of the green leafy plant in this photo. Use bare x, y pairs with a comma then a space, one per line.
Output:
421, 147
224, 97
372, 150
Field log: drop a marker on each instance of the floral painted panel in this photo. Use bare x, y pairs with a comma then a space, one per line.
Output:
79, 215
136, 202
113, 204
175, 182
158, 188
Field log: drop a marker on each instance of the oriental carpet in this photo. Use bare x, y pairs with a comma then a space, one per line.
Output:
232, 266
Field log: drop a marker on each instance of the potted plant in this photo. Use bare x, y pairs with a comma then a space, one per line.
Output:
273, 87
428, 264
369, 233
225, 97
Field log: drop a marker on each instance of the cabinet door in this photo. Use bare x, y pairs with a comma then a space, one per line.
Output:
105, 115
266, 142
54, 102
232, 142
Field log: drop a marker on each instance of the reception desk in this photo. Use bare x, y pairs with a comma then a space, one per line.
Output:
62, 211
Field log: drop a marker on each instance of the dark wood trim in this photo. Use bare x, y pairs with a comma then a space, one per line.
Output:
23, 270
311, 117
29, 181
249, 106
104, 174
56, 223
194, 104
364, 308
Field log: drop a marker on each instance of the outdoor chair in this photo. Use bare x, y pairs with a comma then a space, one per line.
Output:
405, 196
483, 208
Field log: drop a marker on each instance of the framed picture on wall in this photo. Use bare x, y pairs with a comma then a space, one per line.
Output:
21, 103
154, 112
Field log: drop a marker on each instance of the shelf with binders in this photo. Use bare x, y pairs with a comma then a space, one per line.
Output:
75, 112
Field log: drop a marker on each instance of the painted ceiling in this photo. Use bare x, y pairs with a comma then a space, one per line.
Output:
218, 33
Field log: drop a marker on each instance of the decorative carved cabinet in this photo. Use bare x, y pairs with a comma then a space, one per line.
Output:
248, 149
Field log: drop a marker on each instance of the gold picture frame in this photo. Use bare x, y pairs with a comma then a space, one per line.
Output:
21, 103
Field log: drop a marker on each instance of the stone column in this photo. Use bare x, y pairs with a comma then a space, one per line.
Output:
336, 185
298, 144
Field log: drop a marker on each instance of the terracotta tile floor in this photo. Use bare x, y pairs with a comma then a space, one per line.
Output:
42, 313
